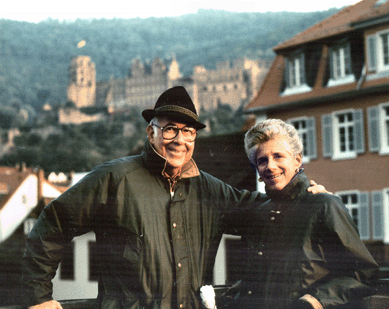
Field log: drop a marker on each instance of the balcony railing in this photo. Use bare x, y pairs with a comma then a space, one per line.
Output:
378, 301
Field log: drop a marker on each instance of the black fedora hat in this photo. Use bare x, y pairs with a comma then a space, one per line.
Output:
176, 104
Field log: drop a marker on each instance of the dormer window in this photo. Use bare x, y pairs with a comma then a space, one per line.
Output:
295, 74
378, 52
340, 65
295, 71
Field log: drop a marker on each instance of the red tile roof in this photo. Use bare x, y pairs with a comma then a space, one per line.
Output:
12, 177
339, 23
343, 21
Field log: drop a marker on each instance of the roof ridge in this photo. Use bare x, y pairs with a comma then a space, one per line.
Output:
337, 23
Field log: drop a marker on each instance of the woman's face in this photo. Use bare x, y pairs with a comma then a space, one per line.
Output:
275, 163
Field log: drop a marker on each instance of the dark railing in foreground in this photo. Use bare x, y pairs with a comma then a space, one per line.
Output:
378, 301
68, 304
375, 302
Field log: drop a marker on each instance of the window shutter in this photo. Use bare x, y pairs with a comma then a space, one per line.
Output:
371, 53
363, 215
347, 58
302, 69
374, 128
287, 74
331, 59
327, 135
359, 133
311, 138
378, 215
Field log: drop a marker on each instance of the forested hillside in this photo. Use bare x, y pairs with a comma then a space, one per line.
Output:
34, 58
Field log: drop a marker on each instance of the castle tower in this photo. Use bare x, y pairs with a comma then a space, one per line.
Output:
158, 67
137, 68
174, 70
82, 83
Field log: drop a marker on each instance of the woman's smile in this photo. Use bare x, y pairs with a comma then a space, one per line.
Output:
275, 163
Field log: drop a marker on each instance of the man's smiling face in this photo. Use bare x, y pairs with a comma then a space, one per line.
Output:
176, 151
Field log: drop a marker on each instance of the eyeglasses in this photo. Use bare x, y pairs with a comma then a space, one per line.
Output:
171, 131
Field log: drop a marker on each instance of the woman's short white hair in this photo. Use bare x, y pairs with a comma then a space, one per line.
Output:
269, 129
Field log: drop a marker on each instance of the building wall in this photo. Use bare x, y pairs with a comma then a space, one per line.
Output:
80, 287
369, 171
18, 207
228, 84
144, 91
74, 116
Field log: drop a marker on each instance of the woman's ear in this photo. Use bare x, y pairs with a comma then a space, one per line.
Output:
299, 159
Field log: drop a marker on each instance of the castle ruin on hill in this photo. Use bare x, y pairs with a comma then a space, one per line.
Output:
232, 83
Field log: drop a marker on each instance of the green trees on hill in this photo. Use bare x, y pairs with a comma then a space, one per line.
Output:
74, 148
34, 58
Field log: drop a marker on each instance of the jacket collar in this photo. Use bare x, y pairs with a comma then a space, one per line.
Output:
157, 163
297, 186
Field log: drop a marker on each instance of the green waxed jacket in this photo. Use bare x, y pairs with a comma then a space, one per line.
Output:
157, 250
302, 245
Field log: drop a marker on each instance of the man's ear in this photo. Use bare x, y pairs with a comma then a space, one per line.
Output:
150, 133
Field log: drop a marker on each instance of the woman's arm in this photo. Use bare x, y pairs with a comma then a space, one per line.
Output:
351, 266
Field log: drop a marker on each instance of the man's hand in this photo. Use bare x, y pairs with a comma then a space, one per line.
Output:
51, 304
315, 188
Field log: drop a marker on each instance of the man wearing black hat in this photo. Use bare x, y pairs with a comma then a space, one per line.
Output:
156, 217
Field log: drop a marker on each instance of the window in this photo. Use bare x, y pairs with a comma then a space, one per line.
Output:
357, 204
384, 49
377, 49
346, 132
343, 135
306, 128
295, 74
93, 261
378, 120
340, 65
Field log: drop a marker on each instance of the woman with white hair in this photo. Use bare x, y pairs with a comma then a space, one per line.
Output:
303, 249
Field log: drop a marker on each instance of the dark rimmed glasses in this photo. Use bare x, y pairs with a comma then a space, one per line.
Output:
171, 131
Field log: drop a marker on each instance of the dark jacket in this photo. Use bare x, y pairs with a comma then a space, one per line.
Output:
157, 250
299, 243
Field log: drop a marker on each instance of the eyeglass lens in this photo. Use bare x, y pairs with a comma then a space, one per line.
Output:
170, 132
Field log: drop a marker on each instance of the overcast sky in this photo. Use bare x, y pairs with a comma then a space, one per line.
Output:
38, 10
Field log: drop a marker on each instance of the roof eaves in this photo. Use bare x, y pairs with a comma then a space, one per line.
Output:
383, 88
265, 81
370, 22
